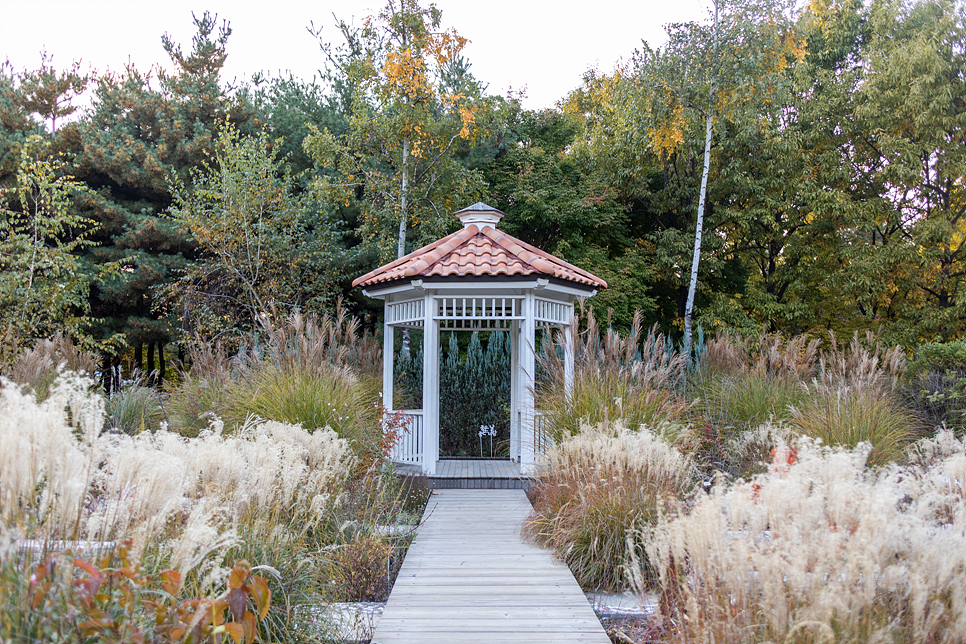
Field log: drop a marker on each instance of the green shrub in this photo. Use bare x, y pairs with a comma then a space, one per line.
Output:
938, 387
940, 397
68, 599
941, 356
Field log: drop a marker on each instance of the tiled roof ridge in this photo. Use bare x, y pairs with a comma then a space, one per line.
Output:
542, 260
527, 259
405, 258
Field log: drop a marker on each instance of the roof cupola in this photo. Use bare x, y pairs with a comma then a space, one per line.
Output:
480, 215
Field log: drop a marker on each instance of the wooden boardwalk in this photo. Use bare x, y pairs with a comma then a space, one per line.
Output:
469, 577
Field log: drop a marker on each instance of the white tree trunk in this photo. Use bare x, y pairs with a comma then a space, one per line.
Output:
699, 224
403, 200
403, 219
698, 231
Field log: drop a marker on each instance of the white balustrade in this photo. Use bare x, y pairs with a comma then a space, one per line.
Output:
410, 446
542, 440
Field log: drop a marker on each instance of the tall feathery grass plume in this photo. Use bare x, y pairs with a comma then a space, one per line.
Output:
617, 378
597, 485
64, 479
819, 548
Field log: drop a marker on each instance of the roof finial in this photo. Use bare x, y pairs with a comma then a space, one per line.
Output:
480, 214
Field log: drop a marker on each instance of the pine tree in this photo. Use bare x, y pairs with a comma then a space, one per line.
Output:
141, 131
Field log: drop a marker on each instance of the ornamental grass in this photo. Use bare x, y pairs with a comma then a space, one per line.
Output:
316, 372
617, 378
820, 548
596, 486
270, 493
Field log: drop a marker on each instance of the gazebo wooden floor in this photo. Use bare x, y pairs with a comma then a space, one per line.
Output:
472, 474
469, 577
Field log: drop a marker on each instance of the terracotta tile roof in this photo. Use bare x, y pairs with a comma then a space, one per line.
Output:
476, 252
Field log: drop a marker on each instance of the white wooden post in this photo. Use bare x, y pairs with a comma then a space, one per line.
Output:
569, 352
527, 357
430, 386
515, 391
387, 363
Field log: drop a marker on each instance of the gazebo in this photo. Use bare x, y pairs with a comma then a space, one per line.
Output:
477, 279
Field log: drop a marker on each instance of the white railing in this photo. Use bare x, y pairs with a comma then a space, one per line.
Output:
409, 447
542, 441
551, 313
408, 313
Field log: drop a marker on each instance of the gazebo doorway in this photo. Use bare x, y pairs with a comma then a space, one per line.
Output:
477, 279
474, 390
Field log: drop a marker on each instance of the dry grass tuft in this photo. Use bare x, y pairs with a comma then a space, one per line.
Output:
64, 480
818, 549
37, 367
844, 394
855, 399
869, 365
317, 372
745, 382
770, 354
616, 378
594, 488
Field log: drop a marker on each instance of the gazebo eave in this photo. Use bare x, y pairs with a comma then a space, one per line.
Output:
491, 284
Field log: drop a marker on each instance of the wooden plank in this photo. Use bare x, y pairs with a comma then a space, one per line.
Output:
469, 577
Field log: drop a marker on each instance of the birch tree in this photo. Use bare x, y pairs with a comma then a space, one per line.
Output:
655, 128
43, 289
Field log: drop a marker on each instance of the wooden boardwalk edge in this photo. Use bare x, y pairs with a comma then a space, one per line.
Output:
470, 577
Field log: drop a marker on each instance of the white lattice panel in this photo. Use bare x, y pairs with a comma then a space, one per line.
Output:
550, 312
479, 308
409, 313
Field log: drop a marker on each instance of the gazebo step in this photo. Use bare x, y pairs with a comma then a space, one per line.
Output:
441, 483
471, 474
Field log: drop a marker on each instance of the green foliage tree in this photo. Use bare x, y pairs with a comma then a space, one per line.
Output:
409, 112
43, 290
142, 129
30, 100
915, 95
646, 134
50, 93
554, 201
263, 249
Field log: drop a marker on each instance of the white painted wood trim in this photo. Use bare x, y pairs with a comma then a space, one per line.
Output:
569, 355
387, 365
515, 392
527, 353
430, 386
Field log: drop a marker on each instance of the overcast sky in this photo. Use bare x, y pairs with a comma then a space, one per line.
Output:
543, 46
